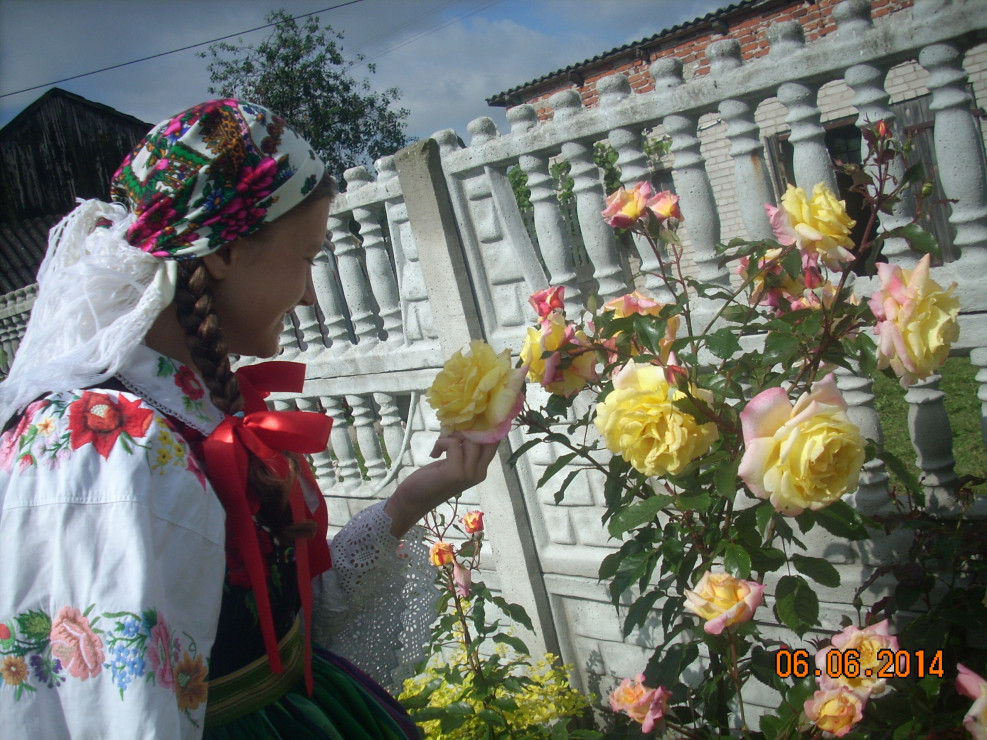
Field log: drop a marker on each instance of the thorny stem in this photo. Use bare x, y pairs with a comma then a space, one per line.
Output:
472, 658
735, 675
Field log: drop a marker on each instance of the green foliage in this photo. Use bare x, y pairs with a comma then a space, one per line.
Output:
300, 72
480, 681
673, 529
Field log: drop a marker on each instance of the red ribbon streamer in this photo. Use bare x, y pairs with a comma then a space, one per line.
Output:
269, 435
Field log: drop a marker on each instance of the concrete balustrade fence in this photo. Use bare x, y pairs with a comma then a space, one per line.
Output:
442, 255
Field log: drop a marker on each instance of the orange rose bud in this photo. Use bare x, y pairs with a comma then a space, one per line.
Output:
441, 554
473, 522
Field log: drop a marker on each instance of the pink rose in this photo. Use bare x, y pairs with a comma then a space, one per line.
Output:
873, 647
665, 205
625, 208
835, 710
723, 600
163, 651
75, 644
972, 686
643, 705
548, 300
463, 578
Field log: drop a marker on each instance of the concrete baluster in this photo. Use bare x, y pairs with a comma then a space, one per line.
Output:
554, 243
858, 392
957, 140
392, 427
382, 280
366, 435
347, 468
932, 437
308, 326
978, 358
322, 463
750, 171
601, 246
872, 100
613, 91
324, 280
415, 308
692, 184
355, 285
812, 162
289, 336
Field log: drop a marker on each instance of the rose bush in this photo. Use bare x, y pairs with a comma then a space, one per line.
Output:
729, 462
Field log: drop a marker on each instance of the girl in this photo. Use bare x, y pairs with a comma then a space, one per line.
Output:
159, 531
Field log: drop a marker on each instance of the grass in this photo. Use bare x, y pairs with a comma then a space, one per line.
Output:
962, 405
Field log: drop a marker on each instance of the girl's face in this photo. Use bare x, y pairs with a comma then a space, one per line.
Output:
258, 279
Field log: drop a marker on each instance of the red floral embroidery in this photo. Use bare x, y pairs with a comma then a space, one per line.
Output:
98, 419
189, 383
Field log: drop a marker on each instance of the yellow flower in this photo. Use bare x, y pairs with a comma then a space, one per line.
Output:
820, 226
640, 423
572, 362
163, 457
441, 554
46, 426
14, 670
870, 646
835, 710
917, 321
804, 456
723, 600
478, 393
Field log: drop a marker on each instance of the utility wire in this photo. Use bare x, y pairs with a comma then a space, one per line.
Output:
175, 51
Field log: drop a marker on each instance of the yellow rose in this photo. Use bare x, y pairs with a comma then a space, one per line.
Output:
917, 321
572, 362
804, 456
639, 422
820, 226
870, 647
835, 710
478, 393
723, 600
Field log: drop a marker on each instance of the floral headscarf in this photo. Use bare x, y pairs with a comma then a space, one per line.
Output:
210, 175
198, 181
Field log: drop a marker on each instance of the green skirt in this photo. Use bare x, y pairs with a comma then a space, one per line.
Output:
346, 704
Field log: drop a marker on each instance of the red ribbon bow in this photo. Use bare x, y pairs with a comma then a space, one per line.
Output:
268, 435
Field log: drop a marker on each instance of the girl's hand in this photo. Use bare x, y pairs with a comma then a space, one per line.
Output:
465, 464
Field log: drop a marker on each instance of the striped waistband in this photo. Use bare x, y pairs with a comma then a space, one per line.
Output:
254, 686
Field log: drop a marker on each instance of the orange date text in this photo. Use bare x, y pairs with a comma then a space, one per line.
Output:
846, 664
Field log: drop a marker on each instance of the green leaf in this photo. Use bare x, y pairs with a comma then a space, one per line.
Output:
666, 666
560, 494
763, 513
723, 343
460, 709
516, 643
767, 559
920, 240
637, 514
764, 667
779, 348
640, 610
841, 519
796, 604
555, 467
693, 501
725, 478
491, 718
35, 625
516, 454
737, 561
818, 569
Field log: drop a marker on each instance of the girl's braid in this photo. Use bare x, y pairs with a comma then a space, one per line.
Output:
204, 337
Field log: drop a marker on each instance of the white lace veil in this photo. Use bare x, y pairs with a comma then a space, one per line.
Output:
97, 297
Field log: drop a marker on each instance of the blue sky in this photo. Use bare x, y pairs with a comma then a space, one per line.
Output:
446, 56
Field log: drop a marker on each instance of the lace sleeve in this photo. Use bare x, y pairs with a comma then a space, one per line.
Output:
376, 604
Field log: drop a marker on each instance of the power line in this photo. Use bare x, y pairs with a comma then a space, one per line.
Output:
175, 51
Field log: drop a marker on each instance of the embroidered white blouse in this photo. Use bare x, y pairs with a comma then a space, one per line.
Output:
112, 564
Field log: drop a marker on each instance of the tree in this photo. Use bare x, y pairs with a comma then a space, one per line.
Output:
300, 72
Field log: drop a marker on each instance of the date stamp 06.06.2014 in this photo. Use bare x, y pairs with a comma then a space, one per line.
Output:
847, 664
